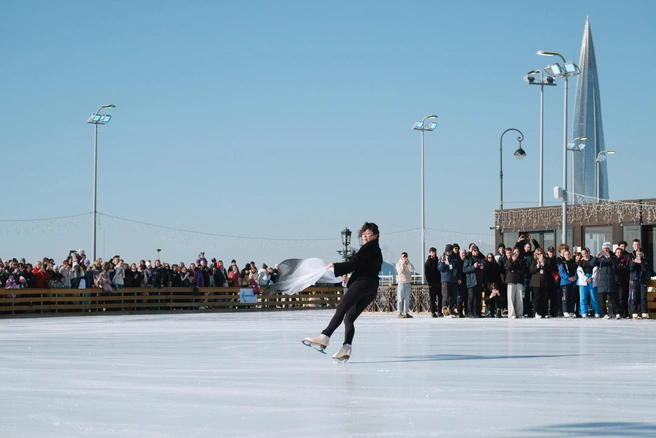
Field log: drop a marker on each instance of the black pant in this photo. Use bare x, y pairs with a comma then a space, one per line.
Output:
555, 300
624, 299
539, 301
637, 297
527, 300
474, 301
434, 294
449, 295
358, 297
612, 308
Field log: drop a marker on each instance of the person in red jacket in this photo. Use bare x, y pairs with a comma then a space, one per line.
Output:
41, 275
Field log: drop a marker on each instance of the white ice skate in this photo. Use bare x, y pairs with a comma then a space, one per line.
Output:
344, 353
319, 343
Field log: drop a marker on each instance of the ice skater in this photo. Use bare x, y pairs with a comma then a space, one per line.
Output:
362, 289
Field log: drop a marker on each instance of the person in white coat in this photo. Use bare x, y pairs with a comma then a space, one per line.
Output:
404, 270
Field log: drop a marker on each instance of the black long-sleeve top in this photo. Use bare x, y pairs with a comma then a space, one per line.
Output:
365, 264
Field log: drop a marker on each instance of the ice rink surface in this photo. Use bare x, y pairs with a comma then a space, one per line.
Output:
247, 374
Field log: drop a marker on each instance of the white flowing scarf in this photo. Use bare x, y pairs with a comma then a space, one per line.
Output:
298, 274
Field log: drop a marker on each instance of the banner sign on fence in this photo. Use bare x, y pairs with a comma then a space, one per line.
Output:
247, 296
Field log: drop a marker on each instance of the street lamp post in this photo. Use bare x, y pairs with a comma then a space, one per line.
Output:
346, 253
519, 153
548, 80
422, 126
601, 156
557, 71
96, 119
576, 145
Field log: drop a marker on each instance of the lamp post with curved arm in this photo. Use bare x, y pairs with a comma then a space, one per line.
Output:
576, 145
519, 153
96, 119
422, 126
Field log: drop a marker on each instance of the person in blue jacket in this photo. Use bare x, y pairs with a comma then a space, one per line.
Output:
567, 273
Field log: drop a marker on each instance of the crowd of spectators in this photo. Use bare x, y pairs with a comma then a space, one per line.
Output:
527, 281
76, 271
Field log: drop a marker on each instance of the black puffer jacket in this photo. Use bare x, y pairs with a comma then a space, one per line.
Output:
515, 270
606, 267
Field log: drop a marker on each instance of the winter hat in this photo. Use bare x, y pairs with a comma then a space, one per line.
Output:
448, 247
607, 245
148, 265
81, 252
552, 249
75, 264
22, 279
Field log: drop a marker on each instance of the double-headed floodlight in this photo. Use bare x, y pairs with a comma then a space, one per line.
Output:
100, 119
544, 79
603, 155
423, 126
578, 144
556, 70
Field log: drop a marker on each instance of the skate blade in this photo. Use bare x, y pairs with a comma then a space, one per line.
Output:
317, 347
342, 361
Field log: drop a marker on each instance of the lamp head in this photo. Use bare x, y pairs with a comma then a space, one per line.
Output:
108, 106
529, 79
546, 53
519, 153
554, 70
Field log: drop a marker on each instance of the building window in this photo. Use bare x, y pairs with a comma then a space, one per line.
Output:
509, 239
630, 232
548, 239
559, 237
594, 237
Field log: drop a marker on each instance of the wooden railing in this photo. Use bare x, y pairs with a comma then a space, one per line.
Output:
68, 302
65, 302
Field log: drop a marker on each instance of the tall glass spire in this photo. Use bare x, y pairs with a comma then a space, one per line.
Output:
587, 122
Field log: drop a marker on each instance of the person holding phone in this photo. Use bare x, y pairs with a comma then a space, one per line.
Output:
540, 271
404, 270
607, 286
515, 269
640, 274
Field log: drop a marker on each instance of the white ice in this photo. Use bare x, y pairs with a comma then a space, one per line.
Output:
247, 374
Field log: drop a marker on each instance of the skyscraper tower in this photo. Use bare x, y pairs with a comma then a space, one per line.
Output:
587, 122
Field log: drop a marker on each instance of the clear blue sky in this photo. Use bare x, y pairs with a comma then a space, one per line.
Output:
290, 120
